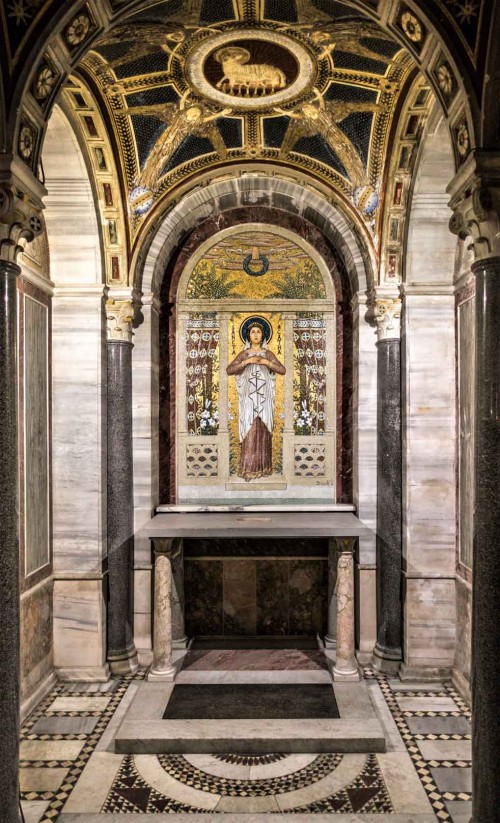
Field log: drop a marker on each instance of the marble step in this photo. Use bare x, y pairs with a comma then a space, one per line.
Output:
145, 731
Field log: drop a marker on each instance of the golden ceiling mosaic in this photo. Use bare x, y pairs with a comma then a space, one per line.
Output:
239, 81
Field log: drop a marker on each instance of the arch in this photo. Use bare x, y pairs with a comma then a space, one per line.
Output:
254, 189
70, 213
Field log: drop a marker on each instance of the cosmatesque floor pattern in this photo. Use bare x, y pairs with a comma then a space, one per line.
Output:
70, 773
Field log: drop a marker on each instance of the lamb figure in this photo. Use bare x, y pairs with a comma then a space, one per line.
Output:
242, 78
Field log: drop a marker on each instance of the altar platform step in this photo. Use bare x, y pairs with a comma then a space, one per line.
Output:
235, 712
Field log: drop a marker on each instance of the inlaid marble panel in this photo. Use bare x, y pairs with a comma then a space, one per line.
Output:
36, 637
203, 587
272, 596
36, 428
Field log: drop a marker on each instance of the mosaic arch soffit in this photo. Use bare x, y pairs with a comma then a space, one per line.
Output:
190, 86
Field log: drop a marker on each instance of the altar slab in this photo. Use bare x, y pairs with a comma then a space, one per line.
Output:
256, 524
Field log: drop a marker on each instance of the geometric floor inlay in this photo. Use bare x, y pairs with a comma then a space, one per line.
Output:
69, 766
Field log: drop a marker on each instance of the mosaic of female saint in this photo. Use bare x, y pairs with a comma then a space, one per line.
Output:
255, 369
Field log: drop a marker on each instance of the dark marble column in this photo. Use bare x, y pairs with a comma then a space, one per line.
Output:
9, 547
486, 553
122, 656
388, 652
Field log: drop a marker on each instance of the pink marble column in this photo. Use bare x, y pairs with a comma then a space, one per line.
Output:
346, 666
331, 636
162, 667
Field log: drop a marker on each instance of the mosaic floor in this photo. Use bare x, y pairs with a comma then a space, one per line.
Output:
70, 773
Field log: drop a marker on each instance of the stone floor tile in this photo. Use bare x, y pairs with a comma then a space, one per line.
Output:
427, 704
94, 784
50, 749
33, 810
403, 784
438, 725
218, 768
250, 818
41, 779
446, 749
400, 686
347, 771
106, 743
65, 725
452, 779
248, 805
289, 765
79, 704
152, 772
460, 810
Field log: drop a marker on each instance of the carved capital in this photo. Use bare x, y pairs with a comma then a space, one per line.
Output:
475, 202
20, 207
120, 316
20, 222
387, 315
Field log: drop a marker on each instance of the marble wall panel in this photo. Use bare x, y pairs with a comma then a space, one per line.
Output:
430, 623
37, 657
429, 435
255, 596
464, 626
272, 595
203, 583
79, 442
79, 628
466, 377
36, 436
239, 601
366, 601
308, 586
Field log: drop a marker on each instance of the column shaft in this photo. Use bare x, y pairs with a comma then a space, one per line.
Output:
162, 668
486, 550
9, 543
388, 652
121, 650
346, 667
331, 637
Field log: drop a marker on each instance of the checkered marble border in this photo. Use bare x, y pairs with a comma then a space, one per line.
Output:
436, 797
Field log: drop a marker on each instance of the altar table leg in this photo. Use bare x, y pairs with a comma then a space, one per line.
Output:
162, 668
331, 636
346, 667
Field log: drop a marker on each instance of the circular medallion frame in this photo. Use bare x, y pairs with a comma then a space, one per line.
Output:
196, 76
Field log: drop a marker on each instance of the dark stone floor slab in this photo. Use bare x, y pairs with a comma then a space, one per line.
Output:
292, 701
285, 642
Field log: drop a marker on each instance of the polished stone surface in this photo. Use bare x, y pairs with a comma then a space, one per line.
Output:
9, 541
486, 564
255, 660
120, 527
388, 652
259, 702
250, 524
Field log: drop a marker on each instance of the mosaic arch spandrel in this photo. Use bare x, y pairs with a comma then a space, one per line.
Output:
256, 365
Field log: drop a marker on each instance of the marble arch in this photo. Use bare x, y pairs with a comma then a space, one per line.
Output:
255, 189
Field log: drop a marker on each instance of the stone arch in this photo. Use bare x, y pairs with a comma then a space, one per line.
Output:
262, 190
78, 368
429, 409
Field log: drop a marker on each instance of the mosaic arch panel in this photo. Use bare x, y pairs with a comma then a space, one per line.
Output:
256, 364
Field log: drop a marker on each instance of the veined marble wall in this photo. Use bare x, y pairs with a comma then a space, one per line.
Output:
429, 418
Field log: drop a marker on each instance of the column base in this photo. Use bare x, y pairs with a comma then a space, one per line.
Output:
162, 675
127, 666
386, 663
85, 674
181, 643
346, 675
423, 673
330, 642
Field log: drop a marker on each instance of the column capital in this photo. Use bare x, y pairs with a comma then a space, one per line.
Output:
387, 305
345, 545
475, 202
20, 207
122, 306
171, 546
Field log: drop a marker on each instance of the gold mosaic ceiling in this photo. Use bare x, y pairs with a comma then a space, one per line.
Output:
193, 86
